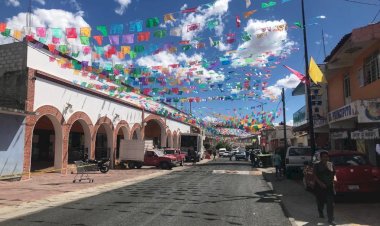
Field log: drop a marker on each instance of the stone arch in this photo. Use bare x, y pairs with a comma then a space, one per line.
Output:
169, 139
161, 123
103, 123
122, 131
57, 120
136, 130
87, 127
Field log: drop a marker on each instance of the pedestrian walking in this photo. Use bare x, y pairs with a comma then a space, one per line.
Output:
193, 155
252, 156
324, 173
277, 164
214, 154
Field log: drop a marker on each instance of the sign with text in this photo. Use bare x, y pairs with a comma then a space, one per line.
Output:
343, 113
339, 135
365, 134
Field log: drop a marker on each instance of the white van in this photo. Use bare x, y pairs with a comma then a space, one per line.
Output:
295, 158
222, 151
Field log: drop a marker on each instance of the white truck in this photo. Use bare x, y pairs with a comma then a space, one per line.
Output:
192, 141
138, 153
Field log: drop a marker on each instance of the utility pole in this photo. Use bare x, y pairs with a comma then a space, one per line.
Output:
284, 116
308, 82
190, 107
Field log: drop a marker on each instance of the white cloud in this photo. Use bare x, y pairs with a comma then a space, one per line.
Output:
235, 91
42, 2
215, 11
75, 5
210, 119
321, 17
165, 59
14, 3
123, 6
48, 18
289, 82
274, 42
289, 123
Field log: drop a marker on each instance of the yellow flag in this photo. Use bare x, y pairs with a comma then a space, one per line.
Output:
315, 73
17, 34
249, 13
168, 17
126, 49
85, 31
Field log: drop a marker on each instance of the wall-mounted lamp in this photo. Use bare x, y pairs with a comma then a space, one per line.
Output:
67, 107
117, 116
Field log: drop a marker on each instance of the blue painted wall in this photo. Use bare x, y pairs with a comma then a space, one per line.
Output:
12, 136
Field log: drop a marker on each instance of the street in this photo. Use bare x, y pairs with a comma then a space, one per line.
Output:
221, 192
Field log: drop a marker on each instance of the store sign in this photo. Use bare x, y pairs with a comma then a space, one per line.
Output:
365, 134
299, 117
320, 122
369, 111
342, 113
339, 135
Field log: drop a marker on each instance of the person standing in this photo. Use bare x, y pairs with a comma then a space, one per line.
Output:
324, 173
277, 163
214, 154
193, 155
252, 156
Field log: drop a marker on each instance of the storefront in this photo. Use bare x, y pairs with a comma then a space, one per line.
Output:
356, 127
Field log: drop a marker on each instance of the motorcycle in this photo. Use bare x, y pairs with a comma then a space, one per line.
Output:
103, 165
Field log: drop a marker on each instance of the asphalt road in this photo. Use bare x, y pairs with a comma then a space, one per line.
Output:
196, 196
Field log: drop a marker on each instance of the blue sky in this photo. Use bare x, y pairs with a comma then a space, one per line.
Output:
335, 17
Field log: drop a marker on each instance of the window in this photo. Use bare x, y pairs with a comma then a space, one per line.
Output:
349, 160
371, 69
299, 151
346, 87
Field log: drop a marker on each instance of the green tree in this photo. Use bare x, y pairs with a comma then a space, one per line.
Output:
223, 144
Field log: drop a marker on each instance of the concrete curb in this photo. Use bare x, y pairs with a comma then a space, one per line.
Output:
283, 207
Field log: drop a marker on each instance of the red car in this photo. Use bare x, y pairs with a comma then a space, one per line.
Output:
353, 173
177, 154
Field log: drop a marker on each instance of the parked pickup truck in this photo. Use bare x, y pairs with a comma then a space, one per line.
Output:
138, 153
180, 156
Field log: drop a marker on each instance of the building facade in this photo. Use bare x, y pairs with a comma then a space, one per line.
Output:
48, 121
353, 75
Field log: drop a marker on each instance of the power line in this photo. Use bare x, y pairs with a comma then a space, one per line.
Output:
375, 16
362, 3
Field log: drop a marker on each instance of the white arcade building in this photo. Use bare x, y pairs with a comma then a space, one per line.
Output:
47, 121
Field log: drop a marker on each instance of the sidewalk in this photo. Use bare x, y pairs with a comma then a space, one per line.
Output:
300, 205
52, 189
